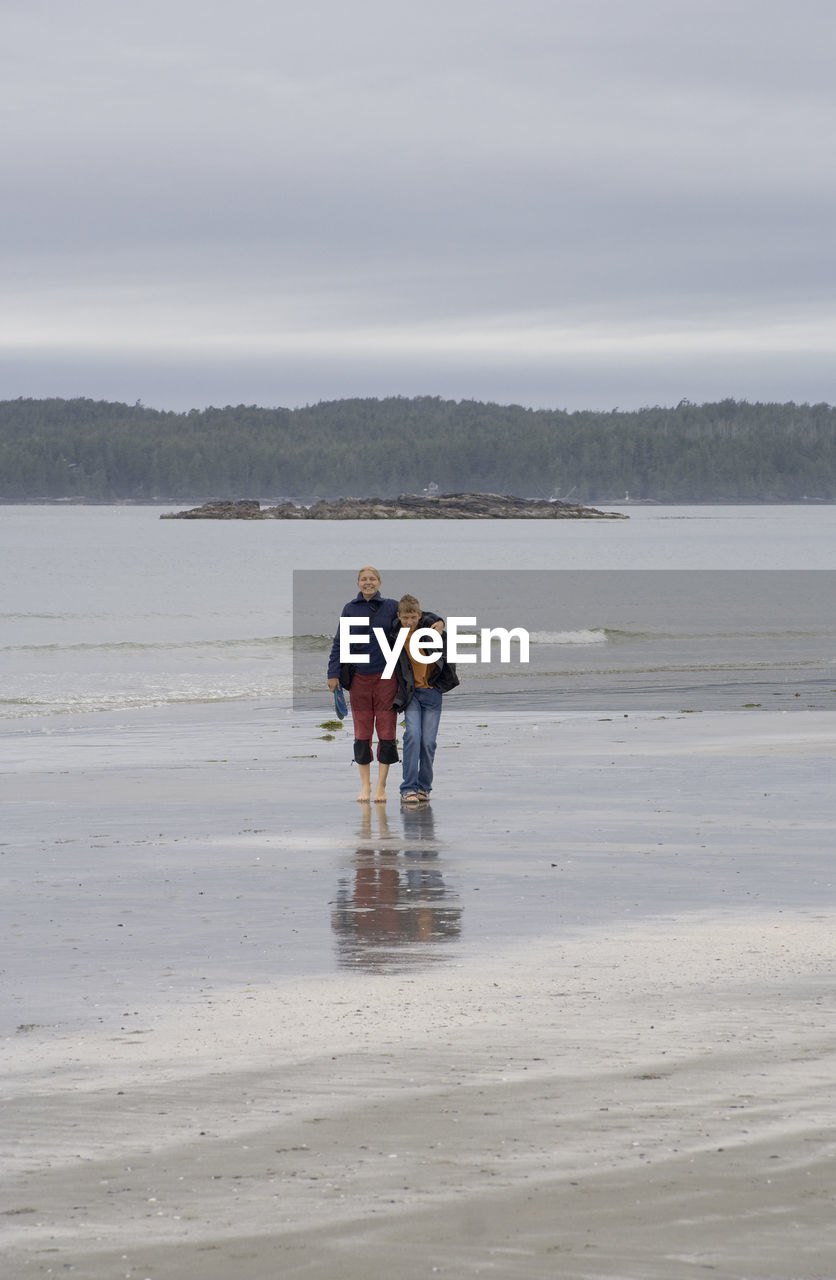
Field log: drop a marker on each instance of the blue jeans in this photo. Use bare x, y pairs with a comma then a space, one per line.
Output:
421, 719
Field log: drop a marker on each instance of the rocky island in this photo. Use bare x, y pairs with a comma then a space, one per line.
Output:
407, 506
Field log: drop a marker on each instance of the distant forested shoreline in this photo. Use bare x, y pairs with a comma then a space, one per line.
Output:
729, 451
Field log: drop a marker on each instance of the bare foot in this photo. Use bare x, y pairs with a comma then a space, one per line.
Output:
380, 797
364, 797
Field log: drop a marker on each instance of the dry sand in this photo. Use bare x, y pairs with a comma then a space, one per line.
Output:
648, 1099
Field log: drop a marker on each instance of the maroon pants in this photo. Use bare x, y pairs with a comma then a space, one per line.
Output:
371, 708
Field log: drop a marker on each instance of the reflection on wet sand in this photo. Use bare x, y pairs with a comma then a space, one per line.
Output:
396, 905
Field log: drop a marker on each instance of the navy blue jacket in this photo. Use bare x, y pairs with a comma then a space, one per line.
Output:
382, 613
441, 674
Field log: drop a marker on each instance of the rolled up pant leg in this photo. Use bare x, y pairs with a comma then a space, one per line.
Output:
386, 720
361, 695
371, 708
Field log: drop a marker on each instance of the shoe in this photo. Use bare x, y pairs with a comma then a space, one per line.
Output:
410, 797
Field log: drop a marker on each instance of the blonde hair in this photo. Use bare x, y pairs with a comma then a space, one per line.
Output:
408, 604
369, 568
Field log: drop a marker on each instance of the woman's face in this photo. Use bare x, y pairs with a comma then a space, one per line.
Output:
369, 583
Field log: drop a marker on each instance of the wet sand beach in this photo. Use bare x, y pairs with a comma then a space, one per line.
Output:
576, 1019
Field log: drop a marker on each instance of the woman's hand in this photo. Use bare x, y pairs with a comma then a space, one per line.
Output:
438, 626
332, 683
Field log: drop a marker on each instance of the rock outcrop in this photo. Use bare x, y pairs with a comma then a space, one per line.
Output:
407, 506
246, 509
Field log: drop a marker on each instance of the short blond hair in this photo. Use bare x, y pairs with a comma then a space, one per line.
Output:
369, 568
408, 604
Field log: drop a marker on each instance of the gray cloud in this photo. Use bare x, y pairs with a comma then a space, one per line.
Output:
465, 196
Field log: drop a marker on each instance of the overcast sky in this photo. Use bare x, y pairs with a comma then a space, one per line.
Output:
564, 203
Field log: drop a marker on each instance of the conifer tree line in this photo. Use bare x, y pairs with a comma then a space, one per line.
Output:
729, 451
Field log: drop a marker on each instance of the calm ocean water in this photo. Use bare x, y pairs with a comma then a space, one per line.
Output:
161, 840
109, 608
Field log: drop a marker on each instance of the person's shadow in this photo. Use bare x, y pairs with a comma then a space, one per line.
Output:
396, 905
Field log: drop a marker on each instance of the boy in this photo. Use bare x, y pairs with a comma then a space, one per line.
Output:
420, 686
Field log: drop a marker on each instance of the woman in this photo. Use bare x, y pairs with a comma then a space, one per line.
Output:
371, 695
